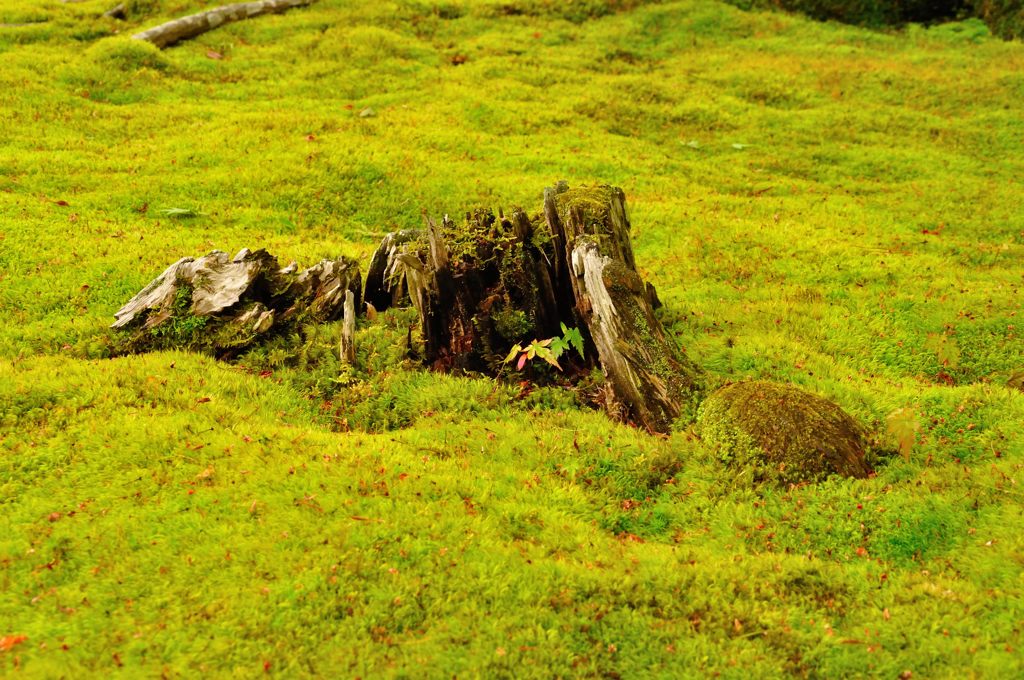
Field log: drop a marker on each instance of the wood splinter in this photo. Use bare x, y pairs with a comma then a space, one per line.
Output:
347, 350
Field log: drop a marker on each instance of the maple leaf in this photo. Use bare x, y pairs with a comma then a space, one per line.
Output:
903, 425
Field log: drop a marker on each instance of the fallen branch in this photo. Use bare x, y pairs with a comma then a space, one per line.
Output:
197, 24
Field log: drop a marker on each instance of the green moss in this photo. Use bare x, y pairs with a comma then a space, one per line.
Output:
181, 330
512, 323
588, 205
576, 11
218, 519
781, 433
125, 54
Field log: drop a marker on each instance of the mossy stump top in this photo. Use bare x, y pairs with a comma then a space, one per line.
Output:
784, 433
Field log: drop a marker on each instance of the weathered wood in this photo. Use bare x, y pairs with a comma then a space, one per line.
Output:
449, 333
119, 12
649, 374
223, 305
158, 295
386, 280
168, 33
488, 284
348, 330
479, 288
560, 264
321, 290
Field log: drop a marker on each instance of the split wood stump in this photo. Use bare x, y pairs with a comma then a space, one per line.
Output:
496, 281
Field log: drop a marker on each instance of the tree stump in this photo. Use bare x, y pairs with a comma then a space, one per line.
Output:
481, 288
648, 372
492, 282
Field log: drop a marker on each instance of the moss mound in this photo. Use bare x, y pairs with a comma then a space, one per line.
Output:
125, 54
784, 433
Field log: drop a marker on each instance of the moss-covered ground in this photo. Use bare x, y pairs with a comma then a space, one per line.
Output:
817, 204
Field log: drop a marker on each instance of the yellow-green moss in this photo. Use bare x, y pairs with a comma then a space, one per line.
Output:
125, 54
859, 141
588, 205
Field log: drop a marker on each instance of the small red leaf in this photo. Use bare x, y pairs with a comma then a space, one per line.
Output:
521, 363
9, 642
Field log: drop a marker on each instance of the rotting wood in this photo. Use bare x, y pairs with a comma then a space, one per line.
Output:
479, 288
118, 11
185, 28
223, 305
347, 350
386, 277
650, 376
492, 282
482, 287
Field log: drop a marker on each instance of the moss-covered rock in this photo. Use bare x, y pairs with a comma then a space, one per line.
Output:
782, 433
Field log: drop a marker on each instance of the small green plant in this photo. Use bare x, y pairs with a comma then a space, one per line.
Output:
182, 213
549, 350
